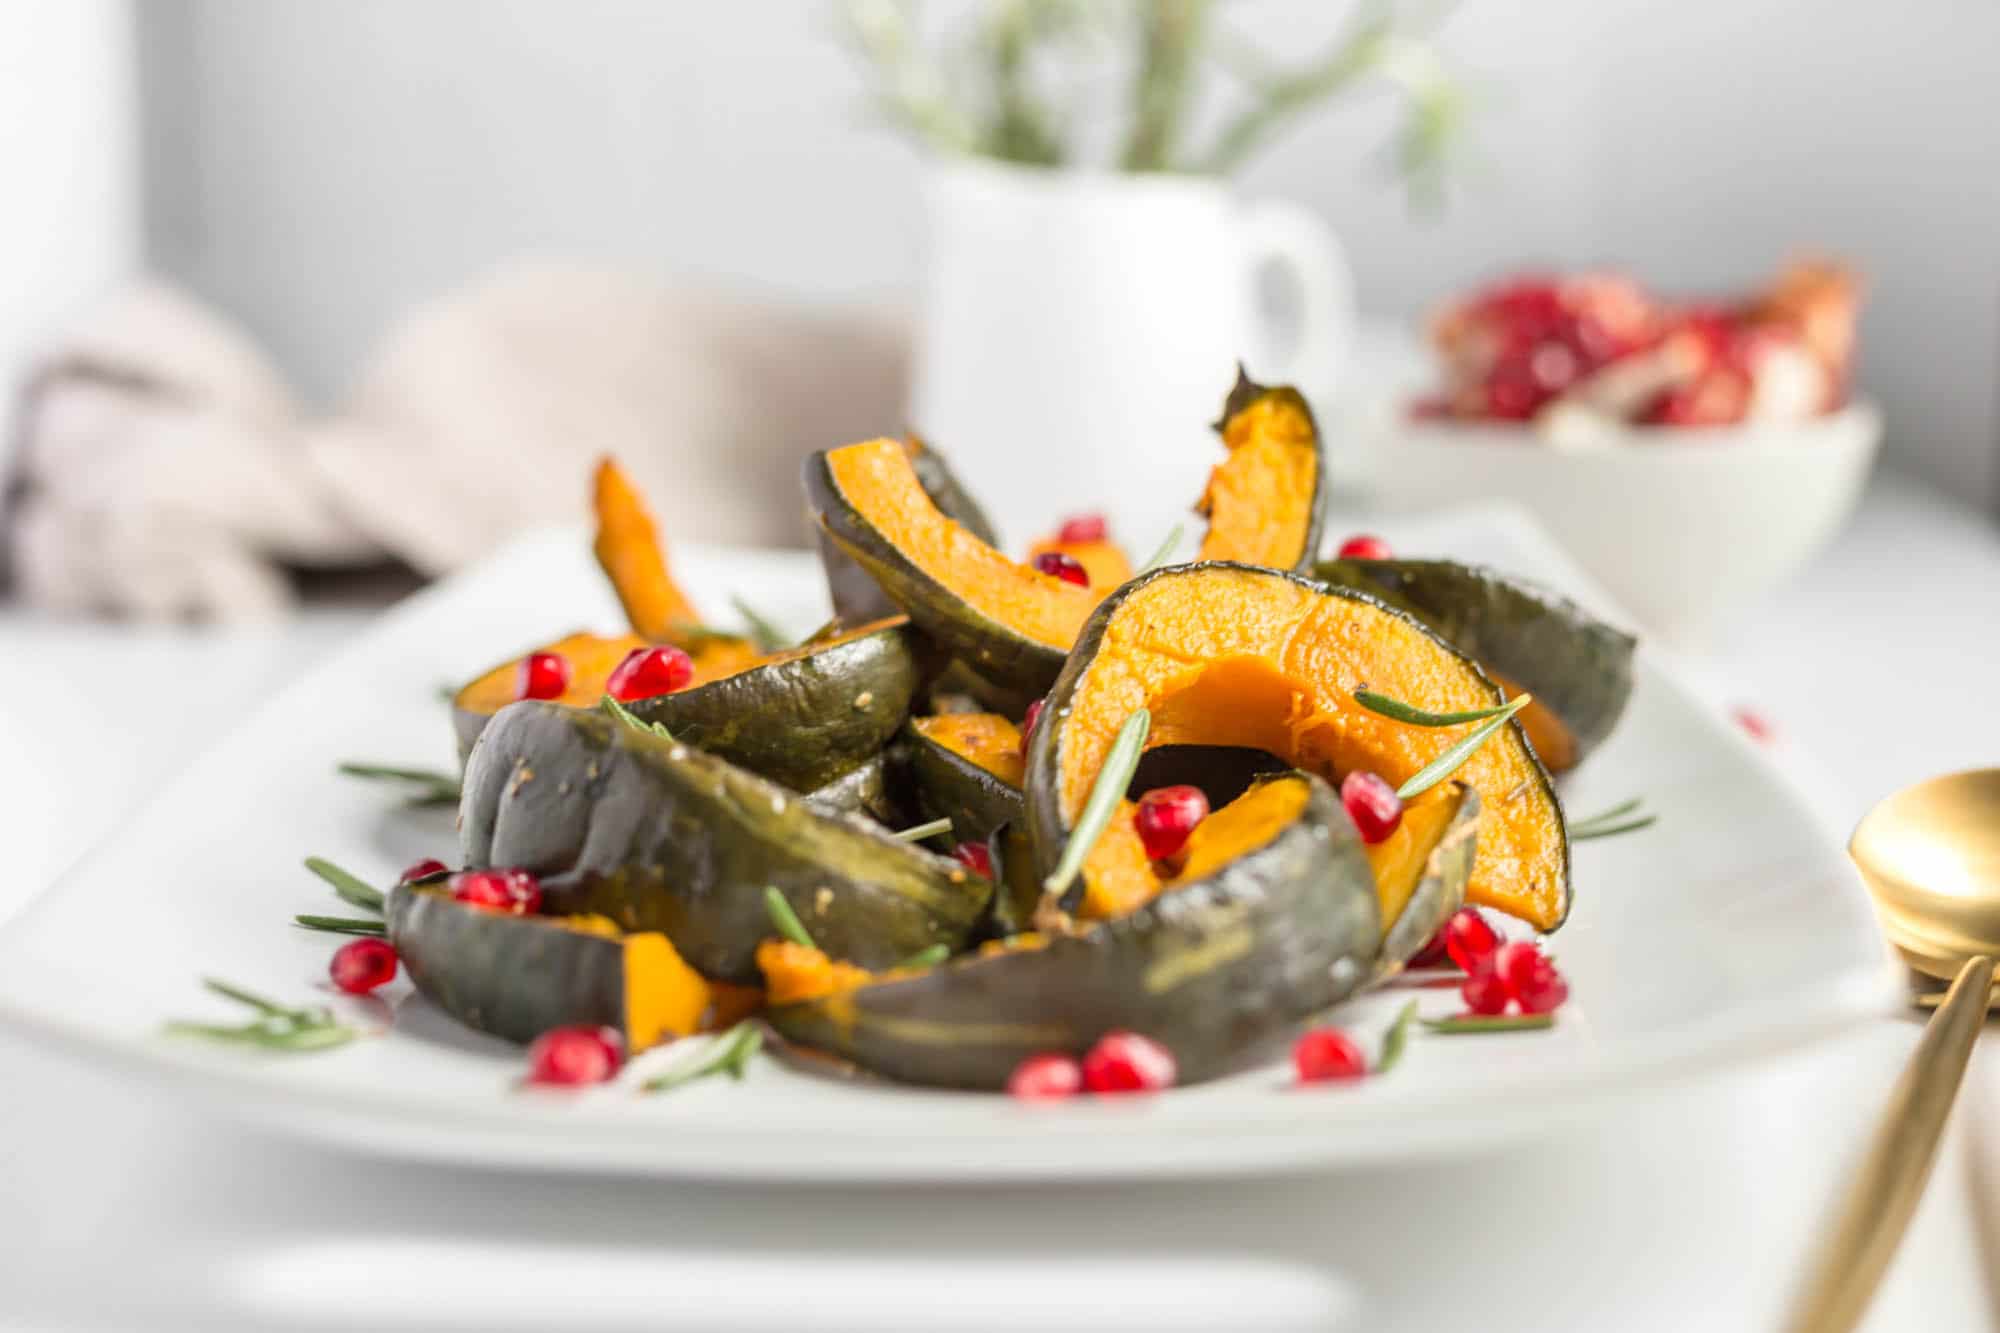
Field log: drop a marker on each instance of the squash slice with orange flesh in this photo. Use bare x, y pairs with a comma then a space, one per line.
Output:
628, 550
1274, 918
1527, 638
1226, 654
855, 594
518, 976
966, 767
1008, 622
1263, 502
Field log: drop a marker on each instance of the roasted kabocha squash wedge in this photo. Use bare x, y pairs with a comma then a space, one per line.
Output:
1263, 501
966, 767
1275, 918
1228, 654
856, 596
518, 976
592, 658
804, 716
1008, 622
658, 835
1578, 668
628, 549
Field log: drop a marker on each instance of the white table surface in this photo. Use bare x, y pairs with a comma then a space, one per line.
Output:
1689, 1210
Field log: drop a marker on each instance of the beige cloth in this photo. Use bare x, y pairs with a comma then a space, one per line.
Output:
164, 468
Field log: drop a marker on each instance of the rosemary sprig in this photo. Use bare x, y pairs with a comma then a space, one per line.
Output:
785, 919
1411, 715
1620, 818
1612, 830
729, 1053
1112, 780
351, 889
763, 632
429, 786
1166, 550
340, 925
277, 1027
1396, 1038
924, 958
621, 713
1442, 767
1467, 1025
1605, 816
922, 831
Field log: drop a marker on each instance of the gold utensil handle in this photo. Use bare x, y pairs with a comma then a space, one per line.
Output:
1879, 1200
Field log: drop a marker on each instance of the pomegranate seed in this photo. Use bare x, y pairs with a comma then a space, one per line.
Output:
513, 891
360, 965
1364, 547
1045, 1078
573, 1056
1538, 988
1485, 991
646, 672
1166, 816
975, 857
541, 676
1128, 1062
1372, 804
1083, 528
1028, 721
1755, 725
428, 868
1064, 567
1327, 1053
1469, 939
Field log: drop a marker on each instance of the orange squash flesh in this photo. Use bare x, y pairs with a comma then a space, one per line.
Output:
592, 658
664, 997
1235, 657
1553, 741
1259, 501
628, 549
1104, 561
987, 740
878, 482
1398, 860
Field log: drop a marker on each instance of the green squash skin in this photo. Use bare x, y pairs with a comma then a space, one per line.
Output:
869, 790
950, 786
1017, 886
857, 597
803, 722
1042, 788
994, 651
1439, 893
1216, 970
1246, 392
657, 835
1577, 666
511, 976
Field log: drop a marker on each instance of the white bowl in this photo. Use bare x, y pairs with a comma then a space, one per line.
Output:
1683, 526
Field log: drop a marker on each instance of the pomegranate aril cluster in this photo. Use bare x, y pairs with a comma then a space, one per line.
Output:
1372, 804
1082, 528
363, 965
542, 676
1120, 1062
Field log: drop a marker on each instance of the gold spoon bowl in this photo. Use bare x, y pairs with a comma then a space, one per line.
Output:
1931, 857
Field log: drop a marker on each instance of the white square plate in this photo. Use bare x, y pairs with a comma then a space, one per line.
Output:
1731, 929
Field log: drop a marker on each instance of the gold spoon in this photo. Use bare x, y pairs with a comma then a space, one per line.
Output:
1931, 857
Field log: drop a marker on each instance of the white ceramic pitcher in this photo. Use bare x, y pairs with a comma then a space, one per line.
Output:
1079, 331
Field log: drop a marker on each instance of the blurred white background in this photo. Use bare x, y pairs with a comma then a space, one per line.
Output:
315, 168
